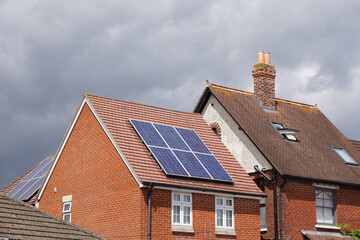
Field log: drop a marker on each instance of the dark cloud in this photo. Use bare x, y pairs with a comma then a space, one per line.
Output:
161, 53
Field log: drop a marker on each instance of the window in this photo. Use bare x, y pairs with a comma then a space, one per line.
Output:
344, 156
224, 213
67, 211
181, 209
261, 184
325, 206
285, 132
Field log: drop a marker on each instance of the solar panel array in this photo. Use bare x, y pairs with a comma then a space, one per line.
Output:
180, 151
32, 182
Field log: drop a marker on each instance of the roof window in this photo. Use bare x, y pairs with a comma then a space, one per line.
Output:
345, 156
285, 132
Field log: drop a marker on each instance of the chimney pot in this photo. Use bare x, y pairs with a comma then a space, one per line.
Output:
260, 56
267, 58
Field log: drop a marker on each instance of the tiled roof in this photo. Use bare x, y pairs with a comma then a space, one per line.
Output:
115, 115
356, 144
311, 157
315, 235
11, 186
19, 220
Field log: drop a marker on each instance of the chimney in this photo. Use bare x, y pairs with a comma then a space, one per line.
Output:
264, 81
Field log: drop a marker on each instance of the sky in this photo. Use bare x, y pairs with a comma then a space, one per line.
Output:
161, 53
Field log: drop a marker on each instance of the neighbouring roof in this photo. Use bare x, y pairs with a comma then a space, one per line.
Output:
355, 143
311, 157
19, 220
315, 235
115, 115
12, 185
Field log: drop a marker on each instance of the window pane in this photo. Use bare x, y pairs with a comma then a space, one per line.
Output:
228, 202
319, 215
177, 197
262, 217
219, 201
228, 218
67, 207
328, 203
219, 218
186, 215
176, 216
186, 198
328, 215
67, 217
319, 202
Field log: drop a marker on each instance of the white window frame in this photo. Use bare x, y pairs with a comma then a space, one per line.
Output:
67, 212
224, 209
183, 205
320, 205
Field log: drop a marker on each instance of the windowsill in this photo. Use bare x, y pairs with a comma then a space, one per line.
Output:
182, 229
327, 226
229, 232
263, 229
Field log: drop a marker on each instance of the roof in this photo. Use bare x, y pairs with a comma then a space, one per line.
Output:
315, 235
12, 185
311, 157
115, 115
355, 143
19, 220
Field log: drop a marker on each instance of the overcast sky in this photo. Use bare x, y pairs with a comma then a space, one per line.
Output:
160, 53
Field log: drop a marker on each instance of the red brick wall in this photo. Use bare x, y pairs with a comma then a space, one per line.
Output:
247, 218
91, 170
299, 209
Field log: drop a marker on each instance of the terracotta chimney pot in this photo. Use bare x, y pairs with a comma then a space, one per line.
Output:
260, 56
267, 58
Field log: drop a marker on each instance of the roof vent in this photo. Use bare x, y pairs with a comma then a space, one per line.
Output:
264, 81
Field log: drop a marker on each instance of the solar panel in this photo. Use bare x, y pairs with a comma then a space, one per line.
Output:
32, 182
180, 151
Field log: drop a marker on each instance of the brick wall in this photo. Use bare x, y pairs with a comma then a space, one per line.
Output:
91, 170
299, 209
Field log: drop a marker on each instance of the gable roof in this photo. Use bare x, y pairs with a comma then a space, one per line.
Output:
113, 115
355, 143
12, 185
311, 157
19, 220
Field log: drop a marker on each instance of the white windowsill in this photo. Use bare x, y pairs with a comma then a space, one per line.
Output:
263, 229
327, 226
182, 229
230, 232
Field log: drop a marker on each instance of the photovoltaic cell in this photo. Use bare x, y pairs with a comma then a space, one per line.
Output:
32, 182
180, 151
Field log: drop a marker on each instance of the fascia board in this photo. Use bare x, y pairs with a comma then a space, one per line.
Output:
67, 135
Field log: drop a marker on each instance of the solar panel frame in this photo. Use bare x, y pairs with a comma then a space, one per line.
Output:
200, 147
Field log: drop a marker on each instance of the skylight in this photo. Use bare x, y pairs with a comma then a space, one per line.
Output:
344, 156
285, 132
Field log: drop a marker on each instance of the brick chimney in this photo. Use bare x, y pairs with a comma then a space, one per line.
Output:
264, 81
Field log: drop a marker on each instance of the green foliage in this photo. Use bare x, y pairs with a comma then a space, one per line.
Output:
349, 232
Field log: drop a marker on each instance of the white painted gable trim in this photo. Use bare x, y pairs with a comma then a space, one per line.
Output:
63, 144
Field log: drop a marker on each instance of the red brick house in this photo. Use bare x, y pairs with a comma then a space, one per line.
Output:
315, 166
105, 179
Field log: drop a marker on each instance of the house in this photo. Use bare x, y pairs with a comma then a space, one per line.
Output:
131, 171
26, 187
308, 169
19, 220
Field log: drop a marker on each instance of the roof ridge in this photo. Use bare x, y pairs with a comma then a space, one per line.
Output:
47, 214
140, 104
252, 94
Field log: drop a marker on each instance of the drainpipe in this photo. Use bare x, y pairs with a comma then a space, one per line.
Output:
280, 206
273, 180
149, 212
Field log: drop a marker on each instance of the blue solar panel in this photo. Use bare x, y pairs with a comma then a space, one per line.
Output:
213, 167
148, 133
32, 182
168, 161
191, 164
180, 151
171, 137
193, 140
